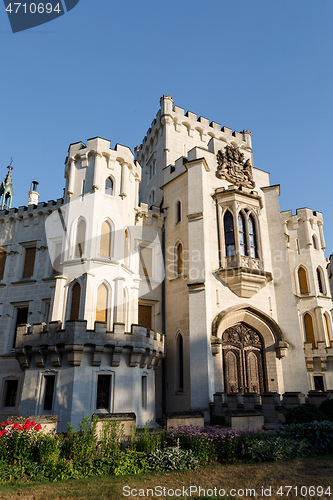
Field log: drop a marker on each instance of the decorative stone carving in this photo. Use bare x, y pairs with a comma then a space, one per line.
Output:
231, 165
241, 335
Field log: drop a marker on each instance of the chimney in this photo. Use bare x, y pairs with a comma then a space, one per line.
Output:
33, 195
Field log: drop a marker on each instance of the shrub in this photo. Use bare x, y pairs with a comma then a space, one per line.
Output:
277, 448
327, 409
130, 462
174, 458
318, 435
303, 414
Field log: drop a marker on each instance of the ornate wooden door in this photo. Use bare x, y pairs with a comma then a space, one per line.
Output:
242, 360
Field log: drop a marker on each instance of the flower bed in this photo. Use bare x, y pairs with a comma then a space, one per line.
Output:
26, 453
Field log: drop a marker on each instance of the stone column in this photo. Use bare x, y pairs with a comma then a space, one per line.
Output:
320, 323
58, 302
307, 228
321, 233
71, 176
124, 179
118, 304
96, 181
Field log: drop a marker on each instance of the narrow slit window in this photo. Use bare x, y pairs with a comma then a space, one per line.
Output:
303, 281
320, 281
309, 330
75, 303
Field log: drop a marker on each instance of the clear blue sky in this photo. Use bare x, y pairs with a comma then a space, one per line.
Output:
100, 70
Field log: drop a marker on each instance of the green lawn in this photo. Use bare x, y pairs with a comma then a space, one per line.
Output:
304, 472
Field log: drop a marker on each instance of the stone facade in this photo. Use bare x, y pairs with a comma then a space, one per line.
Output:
177, 253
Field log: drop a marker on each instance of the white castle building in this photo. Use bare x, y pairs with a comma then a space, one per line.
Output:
160, 280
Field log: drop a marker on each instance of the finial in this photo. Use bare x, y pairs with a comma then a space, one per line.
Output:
10, 167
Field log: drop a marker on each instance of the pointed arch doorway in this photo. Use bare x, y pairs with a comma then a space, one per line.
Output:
243, 360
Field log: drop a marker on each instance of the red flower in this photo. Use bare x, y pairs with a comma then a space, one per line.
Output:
38, 427
3, 424
8, 422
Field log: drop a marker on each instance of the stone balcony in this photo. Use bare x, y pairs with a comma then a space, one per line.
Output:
144, 346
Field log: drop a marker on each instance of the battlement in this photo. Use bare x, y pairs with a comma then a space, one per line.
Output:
302, 214
98, 145
145, 346
43, 208
188, 122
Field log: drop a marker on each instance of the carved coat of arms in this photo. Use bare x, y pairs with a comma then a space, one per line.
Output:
231, 165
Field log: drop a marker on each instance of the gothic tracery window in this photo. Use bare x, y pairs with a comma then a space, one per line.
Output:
229, 234
242, 234
252, 238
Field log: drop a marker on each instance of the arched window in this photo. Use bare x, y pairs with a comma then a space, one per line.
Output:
229, 234
178, 212
252, 238
314, 242
179, 259
303, 281
327, 329
80, 238
105, 242
75, 301
180, 362
309, 330
101, 304
242, 235
109, 186
320, 281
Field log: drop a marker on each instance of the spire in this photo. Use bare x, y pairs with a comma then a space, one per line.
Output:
6, 188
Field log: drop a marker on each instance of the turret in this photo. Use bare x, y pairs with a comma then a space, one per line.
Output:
33, 195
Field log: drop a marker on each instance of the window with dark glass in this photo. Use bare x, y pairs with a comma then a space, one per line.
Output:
75, 303
180, 362
3, 255
49, 390
144, 391
10, 392
319, 383
21, 319
320, 282
252, 238
229, 234
242, 235
103, 392
178, 212
109, 186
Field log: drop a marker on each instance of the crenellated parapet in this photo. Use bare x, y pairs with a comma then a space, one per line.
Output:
189, 125
145, 347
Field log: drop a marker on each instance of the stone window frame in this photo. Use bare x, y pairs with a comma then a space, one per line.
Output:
112, 237
314, 326
297, 281
178, 211
179, 363
10, 409
112, 179
110, 295
246, 211
41, 384
70, 286
28, 245
111, 373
